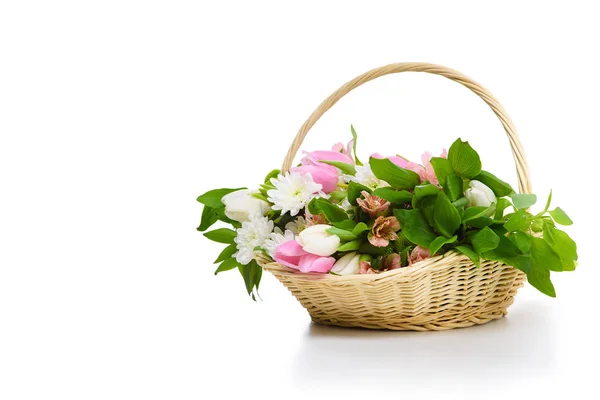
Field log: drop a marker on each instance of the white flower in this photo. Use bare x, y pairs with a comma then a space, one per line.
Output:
252, 234
365, 177
275, 239
297, 225
240, 205
316, 240
293, 191
479, 194
347, 265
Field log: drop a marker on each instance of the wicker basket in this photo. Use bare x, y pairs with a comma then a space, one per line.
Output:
443, 292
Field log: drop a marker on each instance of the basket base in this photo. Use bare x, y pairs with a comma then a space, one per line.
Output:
474, 320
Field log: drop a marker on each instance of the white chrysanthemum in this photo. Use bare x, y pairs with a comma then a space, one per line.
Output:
275, 239
297, 225
293, 191
252, 234
365, 176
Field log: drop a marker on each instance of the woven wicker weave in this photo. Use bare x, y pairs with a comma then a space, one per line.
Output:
443, 292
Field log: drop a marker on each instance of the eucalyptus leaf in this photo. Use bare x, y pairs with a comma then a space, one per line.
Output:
464, 160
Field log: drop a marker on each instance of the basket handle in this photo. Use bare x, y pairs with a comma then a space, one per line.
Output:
515, 143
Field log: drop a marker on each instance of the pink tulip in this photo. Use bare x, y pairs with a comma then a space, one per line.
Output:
315, 157
323, 174
293, 256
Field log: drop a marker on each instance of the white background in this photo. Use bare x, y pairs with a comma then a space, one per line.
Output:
116, 115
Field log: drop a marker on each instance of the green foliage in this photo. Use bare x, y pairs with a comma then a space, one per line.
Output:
464, 160
394, 196
360, 228
342, 233
523, 200
484, 240
227, 265
516, 221
222, 235
350, 246
397, 177
469, 252
442, 168
226, 253
213, 198
332, 212
346, 168
560, 216
355, 140
415, 227
439, 242
453, 187
252, 273
355, 191
445, 215
499, 187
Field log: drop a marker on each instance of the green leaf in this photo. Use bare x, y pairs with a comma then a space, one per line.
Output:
439, 242
523, 200
213, 198
422, 191
442, 168
209, 217
355, 191
501, 205
222, 235
226, 253
547, 203
543, 256
368, 248
460, 203
350, 246
516, 221
469, 252
355, 139
499, 187
563, 245
522, 240
341, 233
394, 196
445, 216
427, 206
504, 251
453, 187
396, 176
273, 174
346, 225
476, 212
415, 227
346, 168
332, 212
360, 228
227, 264
539, 278
338, 195
260, 196
560, 216
481, 222
464, 160
252, 273
485, 240
404, 256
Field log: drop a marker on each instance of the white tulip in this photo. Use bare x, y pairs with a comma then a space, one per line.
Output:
479, 194
347, 265
316, 240
240, 205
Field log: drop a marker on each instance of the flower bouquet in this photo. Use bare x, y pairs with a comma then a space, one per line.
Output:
390, 243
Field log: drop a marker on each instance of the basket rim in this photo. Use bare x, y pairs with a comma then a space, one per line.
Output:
416, 268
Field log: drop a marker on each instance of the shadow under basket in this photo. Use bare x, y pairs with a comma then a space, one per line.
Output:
442, 292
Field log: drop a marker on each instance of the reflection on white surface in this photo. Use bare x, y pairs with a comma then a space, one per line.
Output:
516, 346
